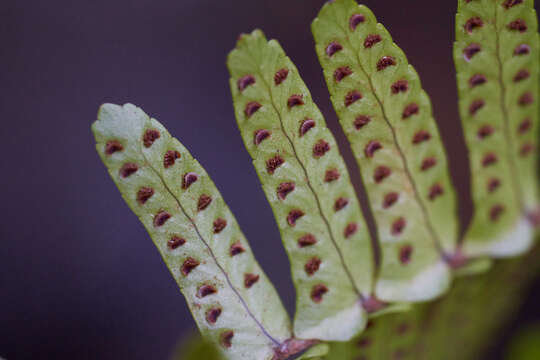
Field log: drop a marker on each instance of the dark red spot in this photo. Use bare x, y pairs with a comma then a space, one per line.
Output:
161, 217
534, 217
371, 147
526, 149
293, 216
189, 179
188, 265
331, 175
398, 225
518, 25
307, 124
521, 75
340, 203
113, 146
402, 328
206, 290
493, 184
333, 48
273, 163
522, 49
381, 173
399, 86
495, 212
364, 342
526, 99
489, 159
428, 163
150, 136
128, 169
410, 110
475, 106
204, 201
218, 225
355, 20
477, 79
420, 137
251, 108
370, 323
250, 279
295, 100
405, 253
175, 242
350, 230
312, 265
351, 97
485, 131
399, 354
284, 189
170, 157
435, 191
321, 148
280, 76
225, 338
510, 3
245, 81
212, 315
385, 62
473, 23
317, 292
236, 249
307, 240
341, 72
360, 121
371, 40
525, 126
260, 135
390, 199
471, 50
144, 194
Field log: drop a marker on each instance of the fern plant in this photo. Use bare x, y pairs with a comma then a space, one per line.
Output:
395, 295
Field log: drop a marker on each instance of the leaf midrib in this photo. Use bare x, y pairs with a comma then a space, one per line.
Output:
506, 121
408, 173
214, 258
315, 195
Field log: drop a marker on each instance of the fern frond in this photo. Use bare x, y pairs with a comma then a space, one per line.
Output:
307, 184
388, 120
496, 57
233, 302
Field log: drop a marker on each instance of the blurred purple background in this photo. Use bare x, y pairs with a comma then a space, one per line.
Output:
79, 277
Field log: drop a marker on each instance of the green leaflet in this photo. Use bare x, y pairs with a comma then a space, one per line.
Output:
388, 120
390, 337
196, 348
496, 57
526, 344
231, 299
307, 184
459, 325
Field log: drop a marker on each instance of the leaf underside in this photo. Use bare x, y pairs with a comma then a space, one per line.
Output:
388, 120
234, 304
496, 57
307, 184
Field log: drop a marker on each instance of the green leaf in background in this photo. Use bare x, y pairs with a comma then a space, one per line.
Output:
496, 57
196, 347
388, 120
307, 184
233, 302
525, 345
